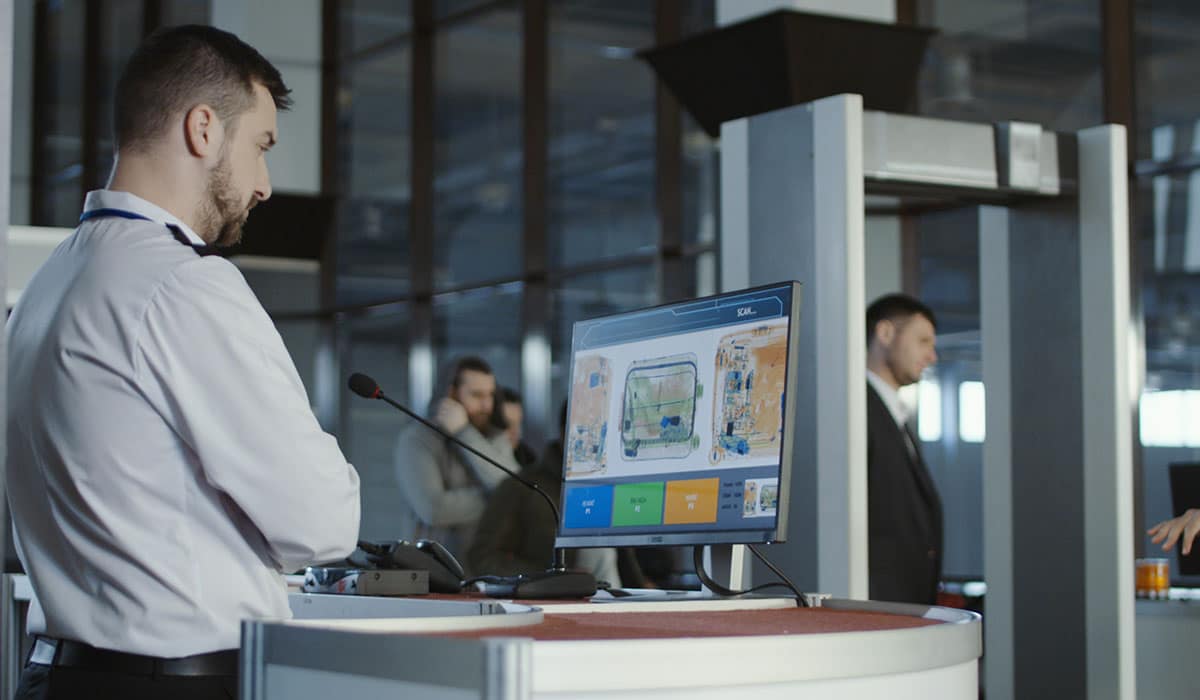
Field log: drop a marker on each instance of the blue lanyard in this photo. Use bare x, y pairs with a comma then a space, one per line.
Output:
176, 232
101, 213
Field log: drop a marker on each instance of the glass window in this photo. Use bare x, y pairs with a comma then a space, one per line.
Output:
484, 322
374, 169
1167, 55
601, 150
588, 296
929, 410
971, 424
376, 345
119, 37
60, 152
478, 163
701, 186
700, 276
366, 24
1029, 61
1170, 418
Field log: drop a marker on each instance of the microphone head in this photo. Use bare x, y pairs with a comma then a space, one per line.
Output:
364, 386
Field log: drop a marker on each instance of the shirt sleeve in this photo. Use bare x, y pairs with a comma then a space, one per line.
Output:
211, 361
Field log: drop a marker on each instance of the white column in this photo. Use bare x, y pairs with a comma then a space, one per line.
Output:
1107, 404
288, 34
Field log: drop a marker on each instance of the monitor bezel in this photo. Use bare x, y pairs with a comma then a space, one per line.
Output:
778, 533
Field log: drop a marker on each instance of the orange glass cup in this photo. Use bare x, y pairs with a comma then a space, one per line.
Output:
1153, 578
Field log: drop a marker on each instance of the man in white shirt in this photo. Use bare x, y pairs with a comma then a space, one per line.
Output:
904, 511
164, 464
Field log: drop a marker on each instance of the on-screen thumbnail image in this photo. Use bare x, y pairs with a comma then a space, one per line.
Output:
751, 373
587, 431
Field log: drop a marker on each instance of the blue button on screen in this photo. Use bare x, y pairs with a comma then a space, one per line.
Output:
588, 506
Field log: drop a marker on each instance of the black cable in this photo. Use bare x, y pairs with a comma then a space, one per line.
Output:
787, 581
698, 563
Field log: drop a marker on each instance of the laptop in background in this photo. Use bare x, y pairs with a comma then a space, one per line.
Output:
1185, 493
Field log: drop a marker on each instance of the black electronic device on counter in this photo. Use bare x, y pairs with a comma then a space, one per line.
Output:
445, 573
375, 582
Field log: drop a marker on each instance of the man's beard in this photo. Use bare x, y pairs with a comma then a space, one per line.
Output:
481, 421
222, 213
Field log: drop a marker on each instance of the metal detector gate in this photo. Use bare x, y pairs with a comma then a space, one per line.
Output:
1053, 228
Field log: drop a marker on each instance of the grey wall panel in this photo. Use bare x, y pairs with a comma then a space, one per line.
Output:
1108, 397
1047, 448
996, 340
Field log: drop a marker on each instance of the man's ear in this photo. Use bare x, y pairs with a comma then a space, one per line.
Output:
885, 332
203, 132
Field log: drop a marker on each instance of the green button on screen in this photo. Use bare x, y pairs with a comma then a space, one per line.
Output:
638, 504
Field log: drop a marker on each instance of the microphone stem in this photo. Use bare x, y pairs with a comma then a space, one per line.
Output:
560, 558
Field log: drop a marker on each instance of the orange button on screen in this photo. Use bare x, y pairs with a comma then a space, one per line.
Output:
691, 501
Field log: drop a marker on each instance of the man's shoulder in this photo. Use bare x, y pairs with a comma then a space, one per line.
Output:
874, 400
415, 435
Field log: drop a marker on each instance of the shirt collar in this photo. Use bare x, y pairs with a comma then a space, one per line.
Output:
112, 199
891, 398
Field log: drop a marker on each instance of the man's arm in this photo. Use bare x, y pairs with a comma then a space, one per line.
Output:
497, 447
419, 451
211, 362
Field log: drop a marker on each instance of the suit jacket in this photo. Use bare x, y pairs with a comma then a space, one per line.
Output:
904, 513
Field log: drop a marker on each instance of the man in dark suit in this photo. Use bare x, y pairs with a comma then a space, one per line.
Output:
904, 511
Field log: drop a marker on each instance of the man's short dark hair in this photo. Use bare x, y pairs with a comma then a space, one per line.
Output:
177, 68
470, 363
895, 307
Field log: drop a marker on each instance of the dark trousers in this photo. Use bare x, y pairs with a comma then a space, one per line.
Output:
39, 682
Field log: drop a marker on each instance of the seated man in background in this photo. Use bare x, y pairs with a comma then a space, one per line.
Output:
444, 486
516, 533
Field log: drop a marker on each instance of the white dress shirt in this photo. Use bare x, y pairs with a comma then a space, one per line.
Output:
164, 465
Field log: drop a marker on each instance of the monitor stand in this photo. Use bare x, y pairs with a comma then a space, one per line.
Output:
737, 579
737, 567
715, 561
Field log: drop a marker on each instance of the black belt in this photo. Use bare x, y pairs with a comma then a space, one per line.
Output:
63, 652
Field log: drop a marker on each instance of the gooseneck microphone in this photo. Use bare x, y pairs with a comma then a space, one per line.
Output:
555, 582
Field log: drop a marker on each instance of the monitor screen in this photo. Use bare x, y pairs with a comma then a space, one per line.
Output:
677, 423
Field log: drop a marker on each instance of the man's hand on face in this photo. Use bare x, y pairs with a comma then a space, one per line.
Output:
451, 415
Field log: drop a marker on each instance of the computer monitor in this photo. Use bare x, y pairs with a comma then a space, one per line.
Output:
1185, 494
678, 425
